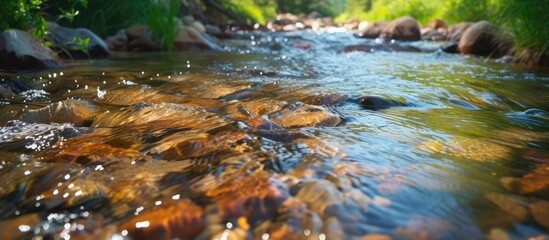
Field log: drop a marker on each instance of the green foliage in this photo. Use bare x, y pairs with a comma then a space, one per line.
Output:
81, 44
163, 22
257, 11
529, 22
105, 17
526, 19
30, 14
330, 8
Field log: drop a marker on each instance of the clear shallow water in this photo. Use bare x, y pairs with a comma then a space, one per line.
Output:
174, 145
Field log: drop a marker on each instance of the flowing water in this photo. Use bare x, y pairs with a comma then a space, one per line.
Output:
272, 138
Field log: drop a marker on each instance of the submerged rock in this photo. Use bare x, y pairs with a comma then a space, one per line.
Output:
535, 183
403, 28
540, 211
20, 136
190, 116
319, 194
253, 109
513, 205
326, 99
378, 103
478, 149
77, 112
179, 220
253, 196
19, 50
306, 116
485, 39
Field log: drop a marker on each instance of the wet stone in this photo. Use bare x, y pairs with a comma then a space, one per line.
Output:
174, 220
76, 112
512, 205
378, 103
253, 109
319, 195
254, 196
540, 211
326, 99
190, 116
26, 137
306, 116
481, 150
535, 183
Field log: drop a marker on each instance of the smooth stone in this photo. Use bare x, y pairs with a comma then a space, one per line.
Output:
403, 28
62, 39
306, 116
378, 103
20, 51
485, 39
498, 234
436, 24
179, 220
456, 31
433, 35
77, 112
319, 195
540, 211
371, 30
510, 204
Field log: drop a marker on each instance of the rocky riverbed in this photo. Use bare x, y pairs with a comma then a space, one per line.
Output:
301, 134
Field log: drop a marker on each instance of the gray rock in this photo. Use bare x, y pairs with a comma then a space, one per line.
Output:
62, 38
19, 50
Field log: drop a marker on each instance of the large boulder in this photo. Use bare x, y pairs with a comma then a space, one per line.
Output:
403, 28
456, 31
371, 30
63, 40
19, 50
485, 39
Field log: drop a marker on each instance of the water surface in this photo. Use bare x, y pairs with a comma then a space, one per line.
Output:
267, 139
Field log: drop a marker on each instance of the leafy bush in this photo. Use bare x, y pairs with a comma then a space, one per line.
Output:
30, 14
106, 17
163, 22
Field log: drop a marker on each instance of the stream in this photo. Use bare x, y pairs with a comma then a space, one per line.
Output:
284, 135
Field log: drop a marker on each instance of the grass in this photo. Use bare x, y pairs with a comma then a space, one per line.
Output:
253, 10
163, 22
106, 17
527, 20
